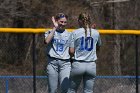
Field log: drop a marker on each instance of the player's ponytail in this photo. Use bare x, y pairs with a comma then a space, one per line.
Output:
84, 20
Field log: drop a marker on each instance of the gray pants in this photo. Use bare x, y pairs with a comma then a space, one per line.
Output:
85, 71
58, 73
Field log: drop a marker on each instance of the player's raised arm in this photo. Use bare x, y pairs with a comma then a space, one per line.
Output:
51, 33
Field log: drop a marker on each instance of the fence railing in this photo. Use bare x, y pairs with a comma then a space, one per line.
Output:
40, 30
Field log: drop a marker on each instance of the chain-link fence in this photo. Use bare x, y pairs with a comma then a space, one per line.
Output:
116, 65
103, 84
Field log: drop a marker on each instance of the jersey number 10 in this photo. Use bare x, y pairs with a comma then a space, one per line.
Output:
86, 43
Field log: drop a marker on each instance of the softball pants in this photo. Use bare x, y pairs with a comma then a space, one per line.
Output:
85, 71
58, 73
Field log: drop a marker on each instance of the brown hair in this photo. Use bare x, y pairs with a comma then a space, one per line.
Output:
86, 21
60, 15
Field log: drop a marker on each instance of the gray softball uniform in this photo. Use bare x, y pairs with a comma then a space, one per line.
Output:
59, 66
84, 66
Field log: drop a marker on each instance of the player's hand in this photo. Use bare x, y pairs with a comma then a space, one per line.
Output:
54, 22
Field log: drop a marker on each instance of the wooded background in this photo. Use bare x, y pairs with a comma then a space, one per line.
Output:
117, 55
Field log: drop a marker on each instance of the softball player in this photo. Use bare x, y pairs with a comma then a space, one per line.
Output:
59, 66
83, 44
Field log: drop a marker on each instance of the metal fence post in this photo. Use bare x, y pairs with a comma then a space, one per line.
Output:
7, 85
34, 64
137, 65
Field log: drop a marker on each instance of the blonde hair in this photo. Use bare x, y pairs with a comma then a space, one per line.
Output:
86, 21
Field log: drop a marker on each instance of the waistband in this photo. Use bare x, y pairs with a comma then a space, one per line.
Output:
57, 58
83, 61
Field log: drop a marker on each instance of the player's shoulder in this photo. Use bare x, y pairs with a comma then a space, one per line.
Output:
95, 31
79, 30
67, 32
